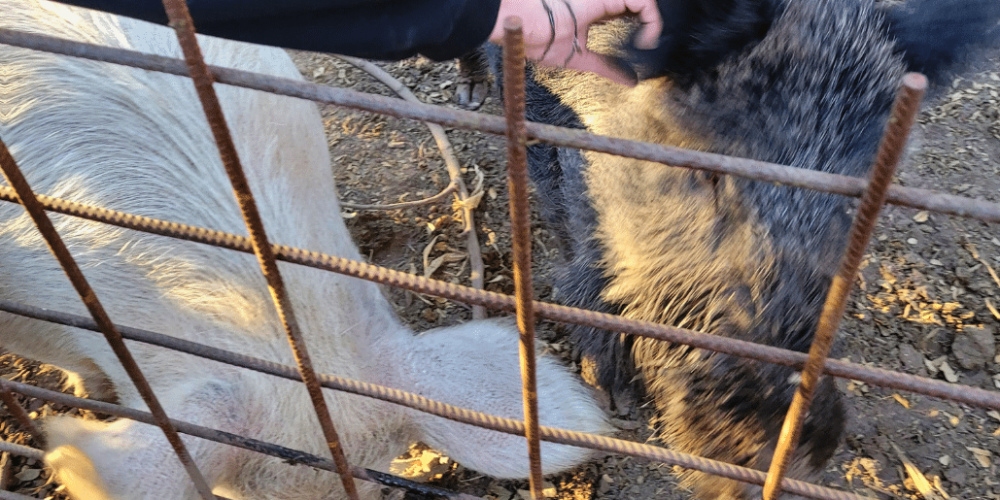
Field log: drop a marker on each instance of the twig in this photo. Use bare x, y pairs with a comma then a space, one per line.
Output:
5, 470
477, 268
450, 188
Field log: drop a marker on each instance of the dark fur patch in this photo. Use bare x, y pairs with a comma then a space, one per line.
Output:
932, 35
698, 35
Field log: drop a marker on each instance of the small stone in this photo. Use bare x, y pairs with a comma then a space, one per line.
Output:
548, 489
912, 241
945, 460
949, 374
935, 262
912, 360
973, 347
921, 216
604, 485
500, 492
28, 475
955, 475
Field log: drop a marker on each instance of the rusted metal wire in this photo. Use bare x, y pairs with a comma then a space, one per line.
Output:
904, 113
37, 213
757, 170
493, 300
180, 20
19, 449
520, 225
15, 409
505, 425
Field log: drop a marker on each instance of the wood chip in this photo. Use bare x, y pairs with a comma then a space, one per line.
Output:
920, 482
982, 456
6, 470
989, 305
901, 400
949, 374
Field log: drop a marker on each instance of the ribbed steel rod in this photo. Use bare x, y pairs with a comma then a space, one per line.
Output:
15, 409
505, 425
288, 455
608, 322
520, 225
763, 171
55, 243
904, 113
180, 20
19, 449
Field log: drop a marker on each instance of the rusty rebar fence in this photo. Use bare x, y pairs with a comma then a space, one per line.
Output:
875, 193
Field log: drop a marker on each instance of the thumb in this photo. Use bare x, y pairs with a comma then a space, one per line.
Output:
605, 66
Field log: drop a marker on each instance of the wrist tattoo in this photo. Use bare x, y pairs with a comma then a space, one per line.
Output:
552, 27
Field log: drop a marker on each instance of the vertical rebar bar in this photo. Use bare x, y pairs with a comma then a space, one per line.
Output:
183, 24
18, 412
904, 112
520, 222
34, 208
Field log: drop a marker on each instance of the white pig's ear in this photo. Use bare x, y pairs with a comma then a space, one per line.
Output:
936, 37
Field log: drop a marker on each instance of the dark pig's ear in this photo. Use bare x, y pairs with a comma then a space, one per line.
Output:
698, 34
935, 37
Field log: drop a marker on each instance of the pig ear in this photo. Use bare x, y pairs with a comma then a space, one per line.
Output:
698, 34
936, 36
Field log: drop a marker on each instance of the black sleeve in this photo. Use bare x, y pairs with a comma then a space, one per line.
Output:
376, 29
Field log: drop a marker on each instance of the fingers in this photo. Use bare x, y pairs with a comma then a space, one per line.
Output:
652, 24
600, 65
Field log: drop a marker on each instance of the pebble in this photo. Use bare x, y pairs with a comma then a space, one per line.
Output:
949, 373
912, 241
912, 360
973, 347
956, 475
604, 485
28, 475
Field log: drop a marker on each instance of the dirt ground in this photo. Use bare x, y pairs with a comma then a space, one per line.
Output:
927, 301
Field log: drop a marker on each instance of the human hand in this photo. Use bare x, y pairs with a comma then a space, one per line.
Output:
555, 31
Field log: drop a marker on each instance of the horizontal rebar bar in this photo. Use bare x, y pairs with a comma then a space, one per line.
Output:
758, 170
20, 449
611, 323
505, 425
